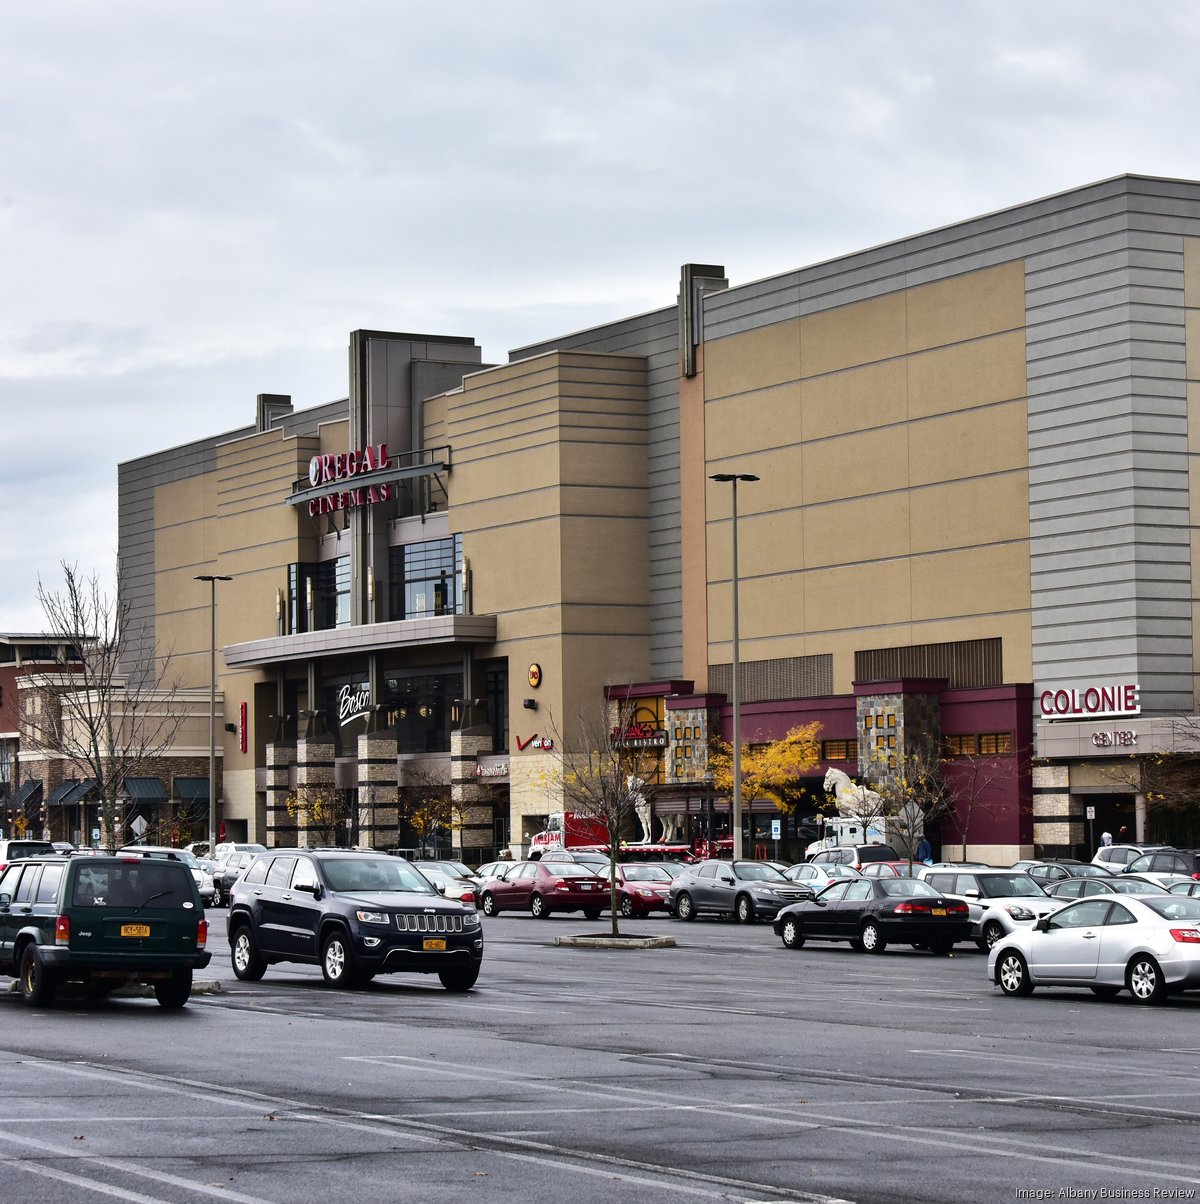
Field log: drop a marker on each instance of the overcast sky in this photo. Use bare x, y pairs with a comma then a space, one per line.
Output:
198, 203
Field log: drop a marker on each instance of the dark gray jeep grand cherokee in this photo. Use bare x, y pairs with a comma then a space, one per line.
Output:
355, 913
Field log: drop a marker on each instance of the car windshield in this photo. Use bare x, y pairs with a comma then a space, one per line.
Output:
1174, 907
374, 874
757, 871
1001, 886
132, 885
645, 873
909, 887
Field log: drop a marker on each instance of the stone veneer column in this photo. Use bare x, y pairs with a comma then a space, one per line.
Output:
314, 768
281, 828
471, 798
1058, 822
377, 787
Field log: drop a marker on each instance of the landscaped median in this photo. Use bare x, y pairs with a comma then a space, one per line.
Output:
608, 941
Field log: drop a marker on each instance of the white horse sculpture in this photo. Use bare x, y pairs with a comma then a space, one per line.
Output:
852, 799
641, 805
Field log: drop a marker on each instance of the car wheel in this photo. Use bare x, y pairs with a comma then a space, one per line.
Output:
856, 945
627, 908
1106, 992
458, 979
248, 963
1145, 980
591, 913
941, 948
38, 985
744, 909
174, 993
873, 941
791, 934
489, 904
1013, 974
993, 931
685, 909
538, 908
337, 961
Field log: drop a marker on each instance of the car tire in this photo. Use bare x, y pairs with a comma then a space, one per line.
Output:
992, 932
1012, 974
538, 908
458, 979
685, 908
38, 985
592, 913
248, 963
488, 903
338, 963
743, 909
941, 948
873, 940
176, 991
856, 945
1106, 992
627, 908
1145, 980
791, 933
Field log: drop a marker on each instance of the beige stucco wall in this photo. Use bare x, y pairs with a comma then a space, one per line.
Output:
890, 437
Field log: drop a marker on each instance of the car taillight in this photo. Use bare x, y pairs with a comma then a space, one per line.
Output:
201, 934
958, 909
1186, 936
906, 909
560, 884
62, 930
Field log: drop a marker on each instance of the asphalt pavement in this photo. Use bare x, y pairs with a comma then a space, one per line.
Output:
727, 1068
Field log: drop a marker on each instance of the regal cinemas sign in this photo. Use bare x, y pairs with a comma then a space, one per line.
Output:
340, 471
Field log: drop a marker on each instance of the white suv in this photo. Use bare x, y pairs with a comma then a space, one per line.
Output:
1000, 900
1115, 857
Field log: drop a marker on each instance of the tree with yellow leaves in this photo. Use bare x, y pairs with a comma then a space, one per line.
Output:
770, 769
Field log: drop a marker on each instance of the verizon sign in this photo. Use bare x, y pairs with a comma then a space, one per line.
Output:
1117, 700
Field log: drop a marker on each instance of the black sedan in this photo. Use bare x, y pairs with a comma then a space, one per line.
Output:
870, 913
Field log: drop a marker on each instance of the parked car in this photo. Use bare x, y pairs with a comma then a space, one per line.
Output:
1184, 887
494, 869
100, 922
891, 869
817, 877
642, 887
204, 882
223, 850
1148, 945
875, 912
1165, 865
999, 900
1055, 870
598, 861
746, 890
460, 869
229, 870
14, 850
855, 856
1107, 884
355, 914
1115, 857
448, 883
544, 887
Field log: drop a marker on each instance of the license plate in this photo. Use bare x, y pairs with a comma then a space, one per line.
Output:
939, 911
433, 946
135, 929
586, 885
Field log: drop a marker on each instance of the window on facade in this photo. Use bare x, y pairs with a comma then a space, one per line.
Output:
839, 750
960, 746
994, 743
319, 595
424, 579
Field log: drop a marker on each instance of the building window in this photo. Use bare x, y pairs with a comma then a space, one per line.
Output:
319, 595
995, 744
961, 746
424, 579
839, 750
990, 744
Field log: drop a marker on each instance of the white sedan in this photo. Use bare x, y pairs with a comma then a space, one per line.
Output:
1146, 944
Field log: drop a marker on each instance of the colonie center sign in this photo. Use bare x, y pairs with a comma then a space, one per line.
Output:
345, 466
1116, 700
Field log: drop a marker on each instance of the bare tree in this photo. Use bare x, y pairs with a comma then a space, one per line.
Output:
322, 811
109, 714
980, 784
915, 794
425, 803
608, 774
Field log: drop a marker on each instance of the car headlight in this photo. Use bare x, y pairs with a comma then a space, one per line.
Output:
471, 919
373, 917
1019, 913
764, 890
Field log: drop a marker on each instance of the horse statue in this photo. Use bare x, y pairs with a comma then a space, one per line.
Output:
641, 806
850, 798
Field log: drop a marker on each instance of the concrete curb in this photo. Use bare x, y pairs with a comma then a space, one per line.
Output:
616, 942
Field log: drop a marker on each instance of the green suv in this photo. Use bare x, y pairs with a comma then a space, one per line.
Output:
101, 922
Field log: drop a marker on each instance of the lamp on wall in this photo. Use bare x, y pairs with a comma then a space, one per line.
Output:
530, 704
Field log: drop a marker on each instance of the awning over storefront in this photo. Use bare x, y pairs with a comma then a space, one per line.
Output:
191, 790
30, 794
148, 790
70, 793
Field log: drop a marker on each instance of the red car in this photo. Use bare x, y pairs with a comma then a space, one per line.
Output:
544, 888
642, 888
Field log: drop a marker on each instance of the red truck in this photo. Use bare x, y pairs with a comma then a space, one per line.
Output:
589, 833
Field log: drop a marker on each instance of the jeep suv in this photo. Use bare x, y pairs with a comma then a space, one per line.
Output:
352, 912
101, 922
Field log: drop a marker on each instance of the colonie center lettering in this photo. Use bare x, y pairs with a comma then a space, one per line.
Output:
1093, 702
344, 466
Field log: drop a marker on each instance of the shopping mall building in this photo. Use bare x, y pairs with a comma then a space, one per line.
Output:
972, 526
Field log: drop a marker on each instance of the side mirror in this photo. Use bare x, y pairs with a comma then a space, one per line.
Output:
971, 894
1042, 924
440, 887
5, 900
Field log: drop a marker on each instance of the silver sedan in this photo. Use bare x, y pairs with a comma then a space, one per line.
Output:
1146, 944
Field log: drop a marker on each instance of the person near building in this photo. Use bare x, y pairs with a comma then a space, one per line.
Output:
1105, 839
925, 851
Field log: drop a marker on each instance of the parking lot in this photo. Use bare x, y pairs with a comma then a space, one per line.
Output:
726, 1068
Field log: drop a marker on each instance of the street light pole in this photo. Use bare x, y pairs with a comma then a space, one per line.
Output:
736, 819
212, 580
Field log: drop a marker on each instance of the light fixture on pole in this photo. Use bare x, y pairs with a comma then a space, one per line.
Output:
735, 822
212, 580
